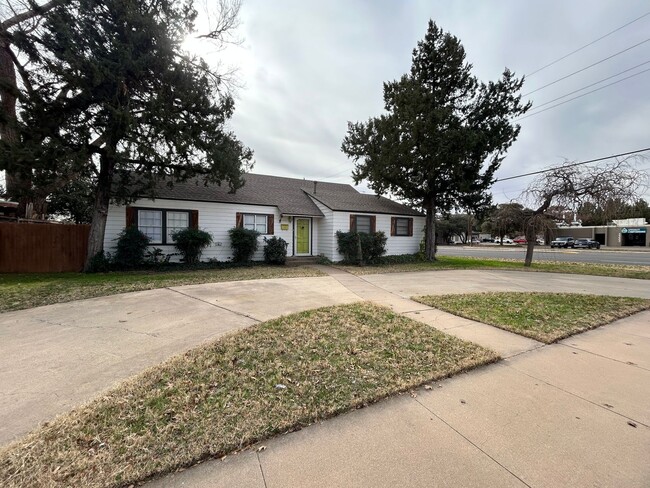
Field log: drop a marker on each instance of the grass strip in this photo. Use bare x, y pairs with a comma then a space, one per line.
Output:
546, 317
221, 397
21, 291
457, 262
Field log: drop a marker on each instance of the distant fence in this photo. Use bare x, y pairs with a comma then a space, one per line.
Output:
42, 247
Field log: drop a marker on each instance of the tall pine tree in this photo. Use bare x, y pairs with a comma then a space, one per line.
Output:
444, 134
114, 98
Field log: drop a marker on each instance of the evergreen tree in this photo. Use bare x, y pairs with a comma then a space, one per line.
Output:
444, 134
115, 99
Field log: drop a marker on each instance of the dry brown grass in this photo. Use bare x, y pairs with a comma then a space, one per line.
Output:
546, 317
224, 396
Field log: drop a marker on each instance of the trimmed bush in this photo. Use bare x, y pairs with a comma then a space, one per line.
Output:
190, 243
361, 248
100, 263
131, 246
243, 243
275, 250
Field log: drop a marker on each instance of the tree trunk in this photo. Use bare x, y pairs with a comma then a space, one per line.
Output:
531, 237
100, 210
430, 236
8, 133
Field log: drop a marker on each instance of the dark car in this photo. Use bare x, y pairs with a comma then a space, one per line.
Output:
586, 243
562, 242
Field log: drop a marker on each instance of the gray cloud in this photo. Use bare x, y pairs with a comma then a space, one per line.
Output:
310, 67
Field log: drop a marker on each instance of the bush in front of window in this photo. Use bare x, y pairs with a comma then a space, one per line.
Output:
131, 246
361, 247
190, 244
275, 250
243, 243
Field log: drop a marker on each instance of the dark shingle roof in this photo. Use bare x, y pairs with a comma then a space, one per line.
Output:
359, 202
290, 195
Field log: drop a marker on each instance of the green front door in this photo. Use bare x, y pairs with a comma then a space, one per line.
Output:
302, 236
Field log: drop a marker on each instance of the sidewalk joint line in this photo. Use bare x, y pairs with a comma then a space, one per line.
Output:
215, 305
469, 440
603, 407
634, 365
259, 462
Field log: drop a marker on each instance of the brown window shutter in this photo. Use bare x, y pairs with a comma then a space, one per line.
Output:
194, 219
373, 224
353, 223
410, 227
269, 224
131, 217
393, 226
239, 220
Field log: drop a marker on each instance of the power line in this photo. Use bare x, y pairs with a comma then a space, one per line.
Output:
587, 45
339, 173
574, 164
585, 68
583, 95
592, 84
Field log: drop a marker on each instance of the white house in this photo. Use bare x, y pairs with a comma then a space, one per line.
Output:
304, 213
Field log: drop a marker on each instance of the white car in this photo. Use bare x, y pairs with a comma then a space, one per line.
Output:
506, 240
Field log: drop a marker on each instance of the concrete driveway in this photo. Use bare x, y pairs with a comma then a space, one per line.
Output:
61, 355
571, 414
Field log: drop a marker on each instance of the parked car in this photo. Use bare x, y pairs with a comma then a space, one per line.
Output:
586, 243
564, 242
520, 240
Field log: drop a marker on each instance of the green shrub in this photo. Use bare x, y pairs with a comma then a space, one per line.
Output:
360, 248
131, 246
275, 250
322, 259
190, 243
243, 243
100, 263
157, 256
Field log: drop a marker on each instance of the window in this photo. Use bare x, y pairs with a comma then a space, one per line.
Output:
256, 222
262, 223
176, 221
363, 223
159, 224
150, 224
401, 226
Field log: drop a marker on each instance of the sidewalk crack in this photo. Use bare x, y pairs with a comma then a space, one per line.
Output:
216, 306
259, 462
469, 440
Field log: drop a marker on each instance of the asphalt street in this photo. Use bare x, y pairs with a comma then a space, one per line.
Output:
543, 253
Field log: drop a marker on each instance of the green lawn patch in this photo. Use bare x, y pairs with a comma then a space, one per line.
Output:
271, 378
20, 291
546, 317
458, 262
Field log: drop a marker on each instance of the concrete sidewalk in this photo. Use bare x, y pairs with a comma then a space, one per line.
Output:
575, 413
570, 414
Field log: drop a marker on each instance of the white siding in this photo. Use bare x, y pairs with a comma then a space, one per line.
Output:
324, 229
219, 218
395, 245
215, 218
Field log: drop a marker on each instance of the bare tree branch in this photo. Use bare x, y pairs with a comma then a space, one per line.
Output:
571, 186
34, 10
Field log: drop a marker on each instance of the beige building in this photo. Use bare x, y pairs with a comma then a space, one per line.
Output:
623, 233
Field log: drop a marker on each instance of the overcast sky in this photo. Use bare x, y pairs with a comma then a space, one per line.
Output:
309, 67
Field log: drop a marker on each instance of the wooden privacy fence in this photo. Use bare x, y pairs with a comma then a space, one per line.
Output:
42, 248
